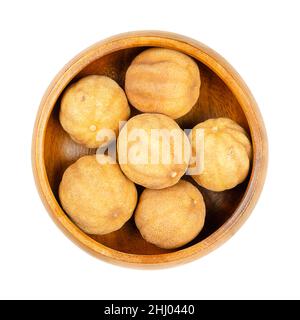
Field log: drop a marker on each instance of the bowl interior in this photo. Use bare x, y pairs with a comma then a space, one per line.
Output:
216, 100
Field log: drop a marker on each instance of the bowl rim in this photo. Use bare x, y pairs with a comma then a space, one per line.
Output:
233, 81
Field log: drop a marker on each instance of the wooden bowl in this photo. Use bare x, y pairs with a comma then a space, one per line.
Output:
223, 94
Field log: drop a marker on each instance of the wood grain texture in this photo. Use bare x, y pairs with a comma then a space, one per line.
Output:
223, 93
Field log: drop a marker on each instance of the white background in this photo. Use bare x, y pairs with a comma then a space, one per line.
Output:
260, 39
